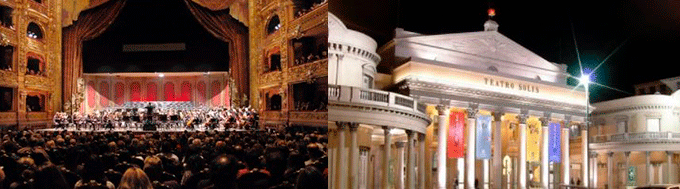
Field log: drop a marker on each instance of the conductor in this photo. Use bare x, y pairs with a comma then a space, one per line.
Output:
149, 109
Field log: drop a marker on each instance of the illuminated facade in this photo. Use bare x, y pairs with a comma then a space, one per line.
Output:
468, 84
635, 139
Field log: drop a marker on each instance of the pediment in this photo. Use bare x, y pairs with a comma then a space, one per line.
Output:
486, 44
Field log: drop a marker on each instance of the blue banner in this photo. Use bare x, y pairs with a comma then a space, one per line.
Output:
483, 146
555, 142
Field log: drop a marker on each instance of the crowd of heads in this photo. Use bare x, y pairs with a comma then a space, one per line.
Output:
269, 159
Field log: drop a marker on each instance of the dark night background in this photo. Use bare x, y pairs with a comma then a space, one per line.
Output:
651, 30
152, 22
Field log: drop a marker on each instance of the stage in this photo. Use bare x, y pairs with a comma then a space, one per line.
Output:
139, 130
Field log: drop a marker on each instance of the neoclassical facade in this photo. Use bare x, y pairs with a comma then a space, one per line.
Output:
377, 138
635, 140
464, 78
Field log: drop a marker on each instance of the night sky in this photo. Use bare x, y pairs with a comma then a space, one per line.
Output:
650, 30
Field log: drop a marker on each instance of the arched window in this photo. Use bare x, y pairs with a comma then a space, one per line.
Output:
273, 25
34, 31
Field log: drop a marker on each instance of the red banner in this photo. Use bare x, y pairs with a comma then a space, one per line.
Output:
455, 141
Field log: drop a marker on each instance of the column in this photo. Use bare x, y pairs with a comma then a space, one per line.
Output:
421, 161
585, 157
332, 163
410, 164
610, 171
354, 150
594, 170
460, 168
669, 158
647, 168
470, 150
545, 163
566, 164
627, 156
485, 174
399, 167
386, 158
497, 155
441, 148
342, 162
522, 150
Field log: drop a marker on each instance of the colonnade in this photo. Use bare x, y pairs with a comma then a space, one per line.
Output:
348, 176
467, 173
664, 174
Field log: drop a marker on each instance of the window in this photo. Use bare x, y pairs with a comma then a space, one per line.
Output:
273, 25
35, 65
7, 53
6, 17
621, 126
653, 124
6, 99
35, 103
34, 31
274, 62
367, 82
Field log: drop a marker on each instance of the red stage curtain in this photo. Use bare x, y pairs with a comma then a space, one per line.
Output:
104, 91
135, 92
90, 24
200, 88
151, 90
223, 26
90, 94
169, 90
120, 93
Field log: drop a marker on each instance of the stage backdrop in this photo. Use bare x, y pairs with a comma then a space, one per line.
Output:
111, 90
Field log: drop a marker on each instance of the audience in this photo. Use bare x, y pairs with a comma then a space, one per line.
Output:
267, 159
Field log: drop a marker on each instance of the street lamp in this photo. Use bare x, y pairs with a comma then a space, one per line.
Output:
585, 81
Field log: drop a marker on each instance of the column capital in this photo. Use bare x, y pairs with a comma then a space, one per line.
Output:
409, 133
340, 125
497, 115
610, 154
400, 144
472, 110
421, 137
353, 126
441, 109
647, 153
544, 121
593, 154
626, 153
522, 118
386, 129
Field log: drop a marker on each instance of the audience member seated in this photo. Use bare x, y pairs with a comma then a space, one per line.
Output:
267, 159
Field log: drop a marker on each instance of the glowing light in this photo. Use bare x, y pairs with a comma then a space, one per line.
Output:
585, 79
161, 75
491, 12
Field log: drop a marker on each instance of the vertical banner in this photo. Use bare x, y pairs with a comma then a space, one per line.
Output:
483, 146
533, 140
555, 143
455, 141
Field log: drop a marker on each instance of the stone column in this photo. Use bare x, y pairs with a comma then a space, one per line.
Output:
460, 168
386, 158
585, 157
441, 148
610, 171
342, 163
485, 174
594, 170
421, 161
648, 168
669, 159
333, 162
354, 150
627, 157
497, 175
566, 164
399, 167
545, 162
470, 150
522, 150
410, 164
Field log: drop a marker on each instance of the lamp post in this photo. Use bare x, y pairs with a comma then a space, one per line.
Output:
585, 80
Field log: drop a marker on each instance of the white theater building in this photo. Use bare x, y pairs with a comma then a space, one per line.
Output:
636, 139
479, 74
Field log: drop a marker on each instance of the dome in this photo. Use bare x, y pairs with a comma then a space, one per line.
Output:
490, 25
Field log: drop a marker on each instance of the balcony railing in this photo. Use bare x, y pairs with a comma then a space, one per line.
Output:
373, 97
637, 137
